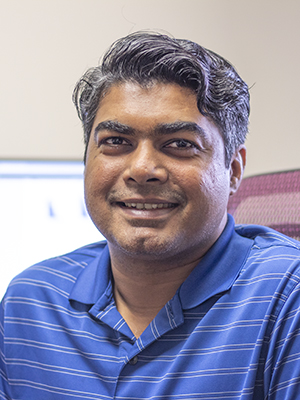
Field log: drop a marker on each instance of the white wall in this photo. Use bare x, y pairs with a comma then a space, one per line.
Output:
47, 45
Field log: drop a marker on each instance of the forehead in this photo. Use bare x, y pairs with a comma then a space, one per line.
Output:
151, 101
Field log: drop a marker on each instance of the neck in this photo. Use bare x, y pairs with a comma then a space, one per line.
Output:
142, 288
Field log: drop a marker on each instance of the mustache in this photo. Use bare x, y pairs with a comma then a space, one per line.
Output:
171, 196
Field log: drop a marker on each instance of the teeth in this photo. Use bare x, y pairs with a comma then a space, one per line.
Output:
149, 206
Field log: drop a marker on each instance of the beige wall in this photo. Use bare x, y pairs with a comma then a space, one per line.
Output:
47, 45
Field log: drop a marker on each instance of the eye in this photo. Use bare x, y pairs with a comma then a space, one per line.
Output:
114, 145
114, 141
182, 148
181, 144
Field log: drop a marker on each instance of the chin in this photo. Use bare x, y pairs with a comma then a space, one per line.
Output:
143, 246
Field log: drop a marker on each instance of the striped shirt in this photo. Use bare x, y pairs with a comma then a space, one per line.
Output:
232, 331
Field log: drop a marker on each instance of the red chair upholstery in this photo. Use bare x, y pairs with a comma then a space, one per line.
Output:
270, 199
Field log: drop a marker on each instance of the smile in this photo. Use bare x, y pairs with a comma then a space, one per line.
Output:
149, 206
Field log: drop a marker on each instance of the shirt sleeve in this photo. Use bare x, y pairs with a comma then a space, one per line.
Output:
282, 369
4, 386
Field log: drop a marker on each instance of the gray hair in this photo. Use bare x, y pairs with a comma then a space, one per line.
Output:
146, 58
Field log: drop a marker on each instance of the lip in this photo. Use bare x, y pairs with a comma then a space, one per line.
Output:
146, 208
145, 200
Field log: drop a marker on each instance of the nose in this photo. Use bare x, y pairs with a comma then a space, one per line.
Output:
145, 165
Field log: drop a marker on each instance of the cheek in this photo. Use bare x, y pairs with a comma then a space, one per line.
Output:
207, 185
97, 185
100, 176
217, 185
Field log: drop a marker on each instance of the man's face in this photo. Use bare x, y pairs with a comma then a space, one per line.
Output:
156, 185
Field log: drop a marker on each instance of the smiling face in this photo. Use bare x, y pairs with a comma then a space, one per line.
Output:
156, 185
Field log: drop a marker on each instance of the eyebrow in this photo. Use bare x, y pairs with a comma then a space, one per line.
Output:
114, 126
179, 126
160, 129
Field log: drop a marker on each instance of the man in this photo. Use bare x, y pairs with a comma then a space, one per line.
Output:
178, 304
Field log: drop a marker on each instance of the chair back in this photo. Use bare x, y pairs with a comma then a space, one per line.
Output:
270, 199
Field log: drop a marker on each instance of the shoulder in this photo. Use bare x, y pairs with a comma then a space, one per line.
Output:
273, 261
265, 237
269, 242
56, 272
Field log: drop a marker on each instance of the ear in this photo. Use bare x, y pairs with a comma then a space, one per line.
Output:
237, 166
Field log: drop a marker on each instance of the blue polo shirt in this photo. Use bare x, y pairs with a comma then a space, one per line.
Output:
232, 330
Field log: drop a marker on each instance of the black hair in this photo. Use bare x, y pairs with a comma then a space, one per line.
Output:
146, 58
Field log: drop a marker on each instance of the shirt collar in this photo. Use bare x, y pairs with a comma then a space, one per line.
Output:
218, 269
93, 281
215, 273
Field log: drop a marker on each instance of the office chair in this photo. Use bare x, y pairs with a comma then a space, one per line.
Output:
270, 199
